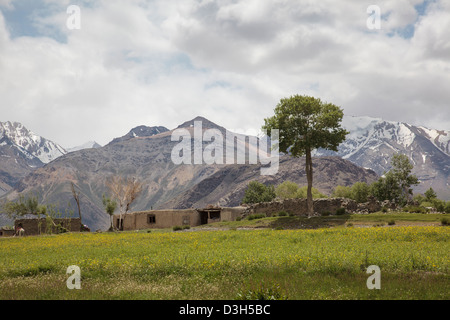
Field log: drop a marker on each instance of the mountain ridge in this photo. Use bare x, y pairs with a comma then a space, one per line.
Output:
372, 142
146, 154
140, 131
21, 152
149, 159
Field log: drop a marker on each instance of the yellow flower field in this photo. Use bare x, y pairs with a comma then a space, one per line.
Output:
232, 253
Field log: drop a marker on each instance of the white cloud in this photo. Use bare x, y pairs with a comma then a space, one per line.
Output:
164, 62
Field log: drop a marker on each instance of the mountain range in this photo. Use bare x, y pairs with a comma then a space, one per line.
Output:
372, 142
21, 152
145, 152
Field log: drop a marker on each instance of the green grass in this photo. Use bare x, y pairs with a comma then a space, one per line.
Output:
324, 263
300, 222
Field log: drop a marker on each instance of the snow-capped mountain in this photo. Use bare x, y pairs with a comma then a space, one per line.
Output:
22, 151
372, 142
29, 143
87, 145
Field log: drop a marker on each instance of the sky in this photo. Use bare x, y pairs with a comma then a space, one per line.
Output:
93, 74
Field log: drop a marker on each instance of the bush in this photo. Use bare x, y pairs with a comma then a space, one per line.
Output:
419, 198
391, 222
256, 216
445, 221
360, 192
185, 227
177, 228
257, 192
384, 210
415, 209
430, 195
282, 214
439, 205
316, 194
291, 190
325, 213
287, 190
447, 207
426, 204
342, 192
340, 211
61, 229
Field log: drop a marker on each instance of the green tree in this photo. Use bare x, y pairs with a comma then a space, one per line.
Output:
360, 192
316, 194
110, 206
287, 190
22, 206
438, 204
401, 169
447, 207
386, 188
306, 123
396, 184
257, 192
291, 190
419, 198
342, 192
430, 195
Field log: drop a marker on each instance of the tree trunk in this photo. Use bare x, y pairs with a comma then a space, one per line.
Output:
111, 228
77, 200
309, 178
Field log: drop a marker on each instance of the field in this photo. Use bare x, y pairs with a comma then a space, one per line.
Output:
322, 263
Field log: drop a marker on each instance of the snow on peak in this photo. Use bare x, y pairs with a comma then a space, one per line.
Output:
440, 138
29, 143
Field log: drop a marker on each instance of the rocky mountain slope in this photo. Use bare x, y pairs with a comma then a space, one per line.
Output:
165, 184
145, 152
227, 186
21, 152
139, 132
372, 142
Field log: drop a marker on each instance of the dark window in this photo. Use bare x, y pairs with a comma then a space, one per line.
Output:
151, 218
214, 215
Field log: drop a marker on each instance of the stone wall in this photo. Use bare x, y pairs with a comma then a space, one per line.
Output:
321, 206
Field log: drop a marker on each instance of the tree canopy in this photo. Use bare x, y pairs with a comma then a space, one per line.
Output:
306, 123
258, 192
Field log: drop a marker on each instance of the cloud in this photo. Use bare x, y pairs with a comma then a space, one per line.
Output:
164, 62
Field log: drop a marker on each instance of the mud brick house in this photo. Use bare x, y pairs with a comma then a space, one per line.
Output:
6, 232
40, 226
170, 218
